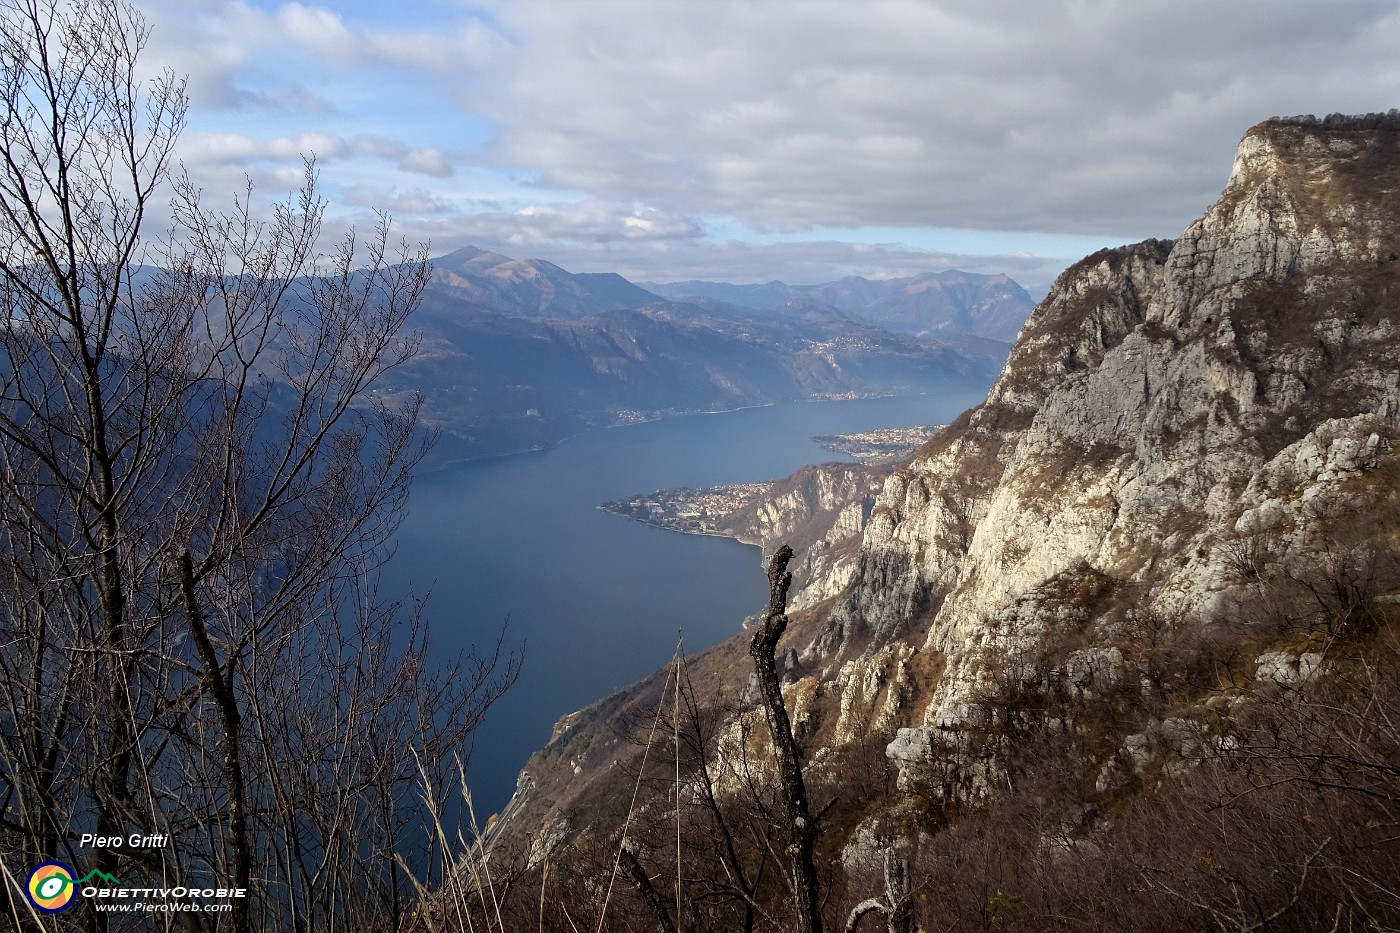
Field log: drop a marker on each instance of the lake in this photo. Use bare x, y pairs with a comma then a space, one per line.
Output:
597, 600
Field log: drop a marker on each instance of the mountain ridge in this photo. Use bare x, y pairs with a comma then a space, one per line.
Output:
531, 287
519, 354
928, 304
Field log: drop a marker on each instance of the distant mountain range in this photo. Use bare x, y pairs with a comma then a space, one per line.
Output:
518, 354
934, 304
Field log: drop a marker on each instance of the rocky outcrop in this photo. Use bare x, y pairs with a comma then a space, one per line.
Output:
932, 524
1165, 399
820, 511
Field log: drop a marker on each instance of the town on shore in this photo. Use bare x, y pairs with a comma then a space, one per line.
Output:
690, 511
703, 511
884, 444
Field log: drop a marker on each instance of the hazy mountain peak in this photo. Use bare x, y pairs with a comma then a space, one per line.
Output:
469, 256
931, 304
530, 287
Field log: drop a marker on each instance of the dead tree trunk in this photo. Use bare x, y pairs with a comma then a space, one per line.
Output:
637, 875
801, 829
897, 907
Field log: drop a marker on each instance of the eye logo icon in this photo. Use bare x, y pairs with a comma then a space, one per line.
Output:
50, 887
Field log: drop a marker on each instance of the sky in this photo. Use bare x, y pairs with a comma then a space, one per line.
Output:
751, 140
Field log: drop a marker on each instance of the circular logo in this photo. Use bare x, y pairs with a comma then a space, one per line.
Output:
50, 887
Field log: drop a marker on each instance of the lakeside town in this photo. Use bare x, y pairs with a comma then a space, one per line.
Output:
884, 444
690, 511
700, 511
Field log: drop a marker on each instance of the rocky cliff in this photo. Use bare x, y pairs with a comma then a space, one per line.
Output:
1164, 403
1190, 443
820, 512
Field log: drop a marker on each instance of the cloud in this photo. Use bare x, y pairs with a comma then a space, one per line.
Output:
601, 129
415, 202
426, 161
588, 222
468, 45
1115, 118
201, 149
234, 51
234, 149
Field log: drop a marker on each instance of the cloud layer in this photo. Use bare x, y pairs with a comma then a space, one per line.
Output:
674, 136
1083, 117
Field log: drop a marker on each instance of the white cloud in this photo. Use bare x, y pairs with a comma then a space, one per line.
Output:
226, 149
426, 161
600, 129
316, 28
230, 48
547, 226
414, 203
230, 147
1072, 116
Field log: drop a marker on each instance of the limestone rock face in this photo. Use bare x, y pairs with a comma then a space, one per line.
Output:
820, 511
1164, 399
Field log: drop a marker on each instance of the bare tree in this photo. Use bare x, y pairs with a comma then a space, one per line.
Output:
800, 826
897, 906
731, 817
197, 488
724, 824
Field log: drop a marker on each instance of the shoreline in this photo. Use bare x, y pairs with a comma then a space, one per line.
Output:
689, 510
542, 448
679, 531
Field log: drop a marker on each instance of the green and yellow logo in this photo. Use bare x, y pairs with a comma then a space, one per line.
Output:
51, 887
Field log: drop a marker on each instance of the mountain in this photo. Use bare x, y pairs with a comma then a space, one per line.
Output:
528, 287
518, 354
497, 383
1118, 649
933, 304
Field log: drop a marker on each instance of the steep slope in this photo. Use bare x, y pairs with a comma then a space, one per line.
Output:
820, 512
1170, 532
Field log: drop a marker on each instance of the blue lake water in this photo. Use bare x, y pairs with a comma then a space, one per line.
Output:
598, 601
